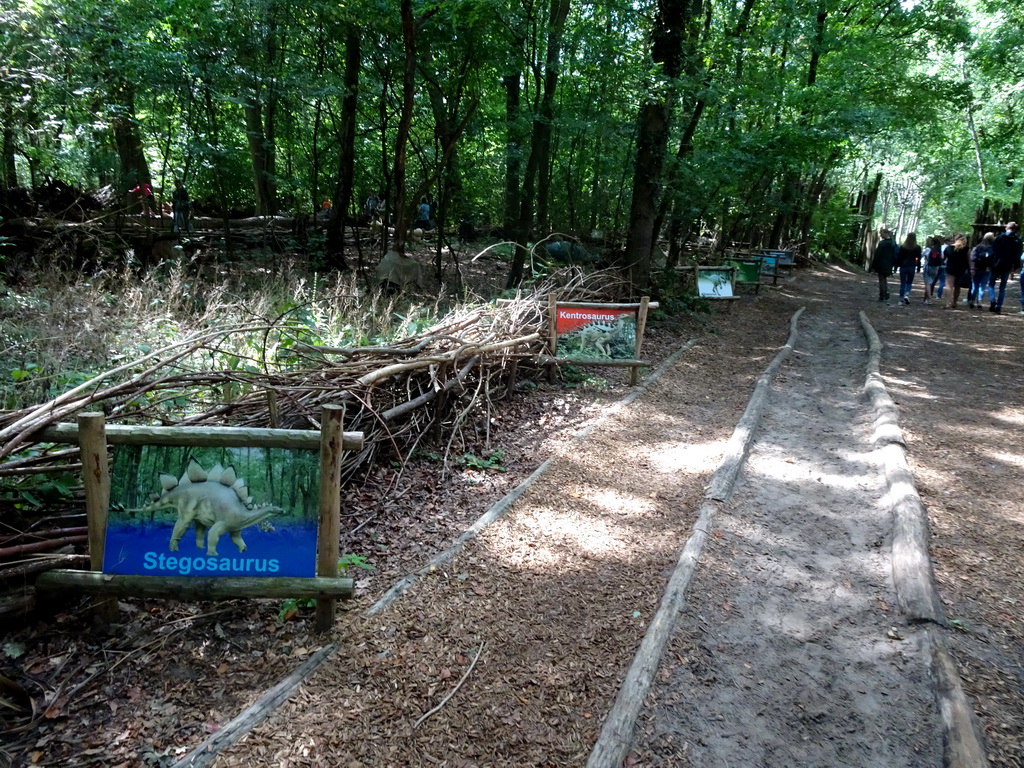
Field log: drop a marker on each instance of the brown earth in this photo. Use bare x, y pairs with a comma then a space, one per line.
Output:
789, 649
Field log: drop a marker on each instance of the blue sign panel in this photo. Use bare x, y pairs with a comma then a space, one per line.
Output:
212, 512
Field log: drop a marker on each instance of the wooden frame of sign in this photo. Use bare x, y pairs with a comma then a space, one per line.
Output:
600, 310
94, 436
784, 259
748, 271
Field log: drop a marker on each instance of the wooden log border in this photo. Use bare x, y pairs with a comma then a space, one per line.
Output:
194, 587
912, 569
616, 735
94, 437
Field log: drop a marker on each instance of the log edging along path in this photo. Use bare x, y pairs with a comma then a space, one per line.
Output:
912, 569
616, 735
262, 708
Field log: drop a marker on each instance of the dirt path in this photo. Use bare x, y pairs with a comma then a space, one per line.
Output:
789, 650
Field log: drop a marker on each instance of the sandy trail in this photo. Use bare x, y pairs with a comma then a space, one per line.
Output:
790, 650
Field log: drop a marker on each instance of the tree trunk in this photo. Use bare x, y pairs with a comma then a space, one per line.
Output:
343, 189
134, 168
513, 151
540, 144
261, 155
404, 125
8, 170
260, 126
671, 26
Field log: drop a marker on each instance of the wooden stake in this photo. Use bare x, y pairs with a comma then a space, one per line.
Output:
641, 324
552, 332
92, 443
331, 425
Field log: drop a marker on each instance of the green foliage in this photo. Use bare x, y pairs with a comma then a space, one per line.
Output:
353, 562
582, 377
483, 463
31, 492
292, 605
346, 564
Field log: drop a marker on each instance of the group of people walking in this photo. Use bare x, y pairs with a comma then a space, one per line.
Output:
983, 270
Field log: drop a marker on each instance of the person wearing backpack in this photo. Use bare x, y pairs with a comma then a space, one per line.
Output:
958, 269
934, 268
882, 262
981, 264
1006, 251
907, 258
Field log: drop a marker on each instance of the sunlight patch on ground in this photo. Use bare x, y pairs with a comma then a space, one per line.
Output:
792, 471
554, 533
910, 387
1006, 458
612, 501
669, 458
1014, 417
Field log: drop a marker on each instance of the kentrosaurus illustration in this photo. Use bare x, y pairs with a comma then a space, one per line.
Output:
600, 334
216, 501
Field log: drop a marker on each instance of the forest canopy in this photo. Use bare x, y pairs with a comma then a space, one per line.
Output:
760, 121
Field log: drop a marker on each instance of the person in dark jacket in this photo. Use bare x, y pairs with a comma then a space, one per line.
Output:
180, 207
958, 269
908, 258
981, 266
1006, 252
882, 262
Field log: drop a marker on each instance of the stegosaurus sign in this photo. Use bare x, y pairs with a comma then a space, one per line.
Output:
212, 512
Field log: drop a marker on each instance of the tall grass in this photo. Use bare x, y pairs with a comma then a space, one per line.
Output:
61, 328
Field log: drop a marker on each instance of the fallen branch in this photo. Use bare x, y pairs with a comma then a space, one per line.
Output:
41, 546
52, 533
46, 563
454, 690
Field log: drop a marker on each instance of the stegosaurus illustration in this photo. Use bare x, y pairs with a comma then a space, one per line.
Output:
217, 502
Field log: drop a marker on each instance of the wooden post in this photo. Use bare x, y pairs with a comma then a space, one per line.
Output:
441, 400
641, 324
552, 332
275, 414
92, 443
331, 425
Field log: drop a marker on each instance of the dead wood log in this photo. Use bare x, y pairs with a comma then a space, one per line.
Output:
52, 533
426, 397
18, 603
194, 588
47, 563
49, 545
130, 434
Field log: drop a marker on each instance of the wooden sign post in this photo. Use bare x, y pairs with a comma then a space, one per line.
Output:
92, 443
331, 423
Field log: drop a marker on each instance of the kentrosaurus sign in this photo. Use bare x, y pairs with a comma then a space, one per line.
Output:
588, 332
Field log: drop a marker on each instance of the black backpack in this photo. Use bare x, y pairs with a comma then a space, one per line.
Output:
983, 258
935, 257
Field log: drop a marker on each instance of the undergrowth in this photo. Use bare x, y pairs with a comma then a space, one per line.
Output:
63, 328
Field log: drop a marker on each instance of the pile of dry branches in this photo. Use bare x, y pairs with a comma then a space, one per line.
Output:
435, 384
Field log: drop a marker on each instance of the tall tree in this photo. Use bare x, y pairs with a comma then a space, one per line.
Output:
673, 23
